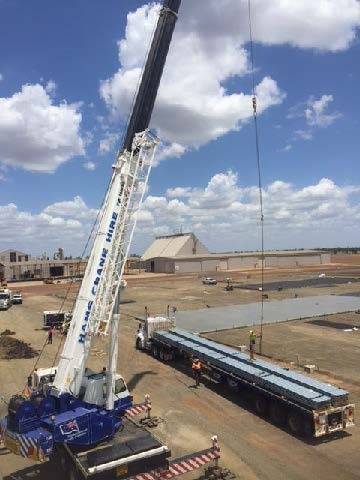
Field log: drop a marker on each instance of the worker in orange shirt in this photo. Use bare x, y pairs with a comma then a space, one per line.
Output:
196, 369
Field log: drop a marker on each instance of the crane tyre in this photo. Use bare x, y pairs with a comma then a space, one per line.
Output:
277, 414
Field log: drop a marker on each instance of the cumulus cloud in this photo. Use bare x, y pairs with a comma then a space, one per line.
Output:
107, 144
36, 134
89, 166
317, 115
193, 105
76, 208
226, 215
35, 232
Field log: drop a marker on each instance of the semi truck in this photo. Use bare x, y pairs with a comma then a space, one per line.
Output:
307, 406
5, 298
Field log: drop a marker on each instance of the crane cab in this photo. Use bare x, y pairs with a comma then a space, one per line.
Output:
92, 390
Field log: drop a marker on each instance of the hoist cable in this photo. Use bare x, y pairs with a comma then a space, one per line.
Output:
258, 163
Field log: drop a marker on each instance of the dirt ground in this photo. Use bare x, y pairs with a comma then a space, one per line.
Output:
251, 446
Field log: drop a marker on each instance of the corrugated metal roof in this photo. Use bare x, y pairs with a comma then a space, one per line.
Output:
172, 245
215, 256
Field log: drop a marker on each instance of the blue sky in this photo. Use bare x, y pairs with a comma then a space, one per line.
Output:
65, 89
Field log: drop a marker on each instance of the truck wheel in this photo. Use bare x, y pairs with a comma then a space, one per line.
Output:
277, 414
308, 427
155, 351
138, 344
218, 377
261, 405
294, 422
161, 354
233, 384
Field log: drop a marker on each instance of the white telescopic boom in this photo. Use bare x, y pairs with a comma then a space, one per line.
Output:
99, 289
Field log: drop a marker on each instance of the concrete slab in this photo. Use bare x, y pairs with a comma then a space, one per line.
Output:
209, 319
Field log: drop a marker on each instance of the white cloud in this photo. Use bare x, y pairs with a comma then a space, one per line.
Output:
39, 232
107, 144
178, 192
35, 134
193, 105
172, 150
89, 166
226, 216
1, 77
76, 208
304, 134
316, 114
285, 149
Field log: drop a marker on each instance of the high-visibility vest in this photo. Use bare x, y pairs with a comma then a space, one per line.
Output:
252, 338
196, 366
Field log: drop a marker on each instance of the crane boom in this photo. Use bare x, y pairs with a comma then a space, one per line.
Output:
144, 104
94, 307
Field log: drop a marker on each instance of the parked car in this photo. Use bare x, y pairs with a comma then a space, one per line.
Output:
17, 298
209, 281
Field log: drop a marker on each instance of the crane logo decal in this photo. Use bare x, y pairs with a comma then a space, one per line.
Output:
111, 227
96, 282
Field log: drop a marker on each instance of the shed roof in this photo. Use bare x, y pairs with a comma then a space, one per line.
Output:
166, 246
214, 256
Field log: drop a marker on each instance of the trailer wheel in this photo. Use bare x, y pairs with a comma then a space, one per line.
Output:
138, 344
308, 427
261, 405
277, 414
161, 354
233, 384
155, 351
294, 422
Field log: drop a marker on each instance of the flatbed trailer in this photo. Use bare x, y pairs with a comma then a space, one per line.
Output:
307, 406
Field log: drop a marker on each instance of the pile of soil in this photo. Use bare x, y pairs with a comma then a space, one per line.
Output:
13, 348
7, 332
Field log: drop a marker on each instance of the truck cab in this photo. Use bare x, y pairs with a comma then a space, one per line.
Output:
5, 298
148, 326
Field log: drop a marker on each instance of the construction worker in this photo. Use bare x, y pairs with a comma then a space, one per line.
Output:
50, 335
252, 342
196, 369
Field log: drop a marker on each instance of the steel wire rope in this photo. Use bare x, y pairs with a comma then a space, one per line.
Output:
258, 163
